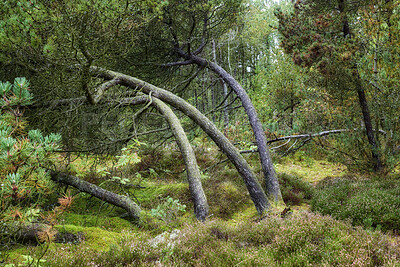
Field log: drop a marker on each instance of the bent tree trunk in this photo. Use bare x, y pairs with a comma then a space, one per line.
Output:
271, 180
256, 192
192, 168
120, 201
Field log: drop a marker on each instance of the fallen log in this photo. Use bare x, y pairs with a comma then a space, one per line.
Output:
120, 201
35, 233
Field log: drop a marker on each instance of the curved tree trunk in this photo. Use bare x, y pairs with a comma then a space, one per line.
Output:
257, 194
96, 191
192, 168
271, 180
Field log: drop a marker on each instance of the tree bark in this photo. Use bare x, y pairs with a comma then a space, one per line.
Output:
271, 181
257, 194
368, 127
98, 192
192, 168
226, 111
342, 10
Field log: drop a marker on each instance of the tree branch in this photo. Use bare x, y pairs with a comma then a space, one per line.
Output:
323, 133
180, 63
103, 88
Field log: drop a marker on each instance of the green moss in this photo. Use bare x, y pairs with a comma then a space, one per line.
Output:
105, 222
94, 237
225, 198
247, 214
15, 254
312, 173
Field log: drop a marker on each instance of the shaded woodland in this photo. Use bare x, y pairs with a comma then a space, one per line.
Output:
255, 127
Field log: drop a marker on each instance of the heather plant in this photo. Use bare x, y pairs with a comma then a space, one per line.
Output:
301, 240
295, 190
304, 239
373, 204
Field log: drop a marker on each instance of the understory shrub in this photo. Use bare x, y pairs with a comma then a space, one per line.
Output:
304, 239
225, 198
295, 190
301, 240
369, 203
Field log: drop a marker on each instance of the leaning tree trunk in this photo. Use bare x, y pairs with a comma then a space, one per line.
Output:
271, 180
255, 190
192, 168
96, 191
368, 127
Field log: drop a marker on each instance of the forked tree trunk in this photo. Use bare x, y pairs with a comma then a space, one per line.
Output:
256, 192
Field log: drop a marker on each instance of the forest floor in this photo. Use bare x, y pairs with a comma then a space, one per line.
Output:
234, 234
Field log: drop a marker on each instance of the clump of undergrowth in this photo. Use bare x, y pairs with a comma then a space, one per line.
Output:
161, 164
154, 194
373, 203
303, 239
225, 190
226, 198
168, 215
306, 239
294, 189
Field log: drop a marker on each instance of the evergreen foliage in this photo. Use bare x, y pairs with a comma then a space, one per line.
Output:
344, 46
24, 156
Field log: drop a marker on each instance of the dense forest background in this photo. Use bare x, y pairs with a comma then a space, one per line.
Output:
175, 130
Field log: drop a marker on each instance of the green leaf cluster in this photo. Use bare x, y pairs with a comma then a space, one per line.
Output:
169, 210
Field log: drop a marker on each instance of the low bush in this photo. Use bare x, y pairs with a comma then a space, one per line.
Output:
226, 198
369, 203
307, 239
303, 239
294, 189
